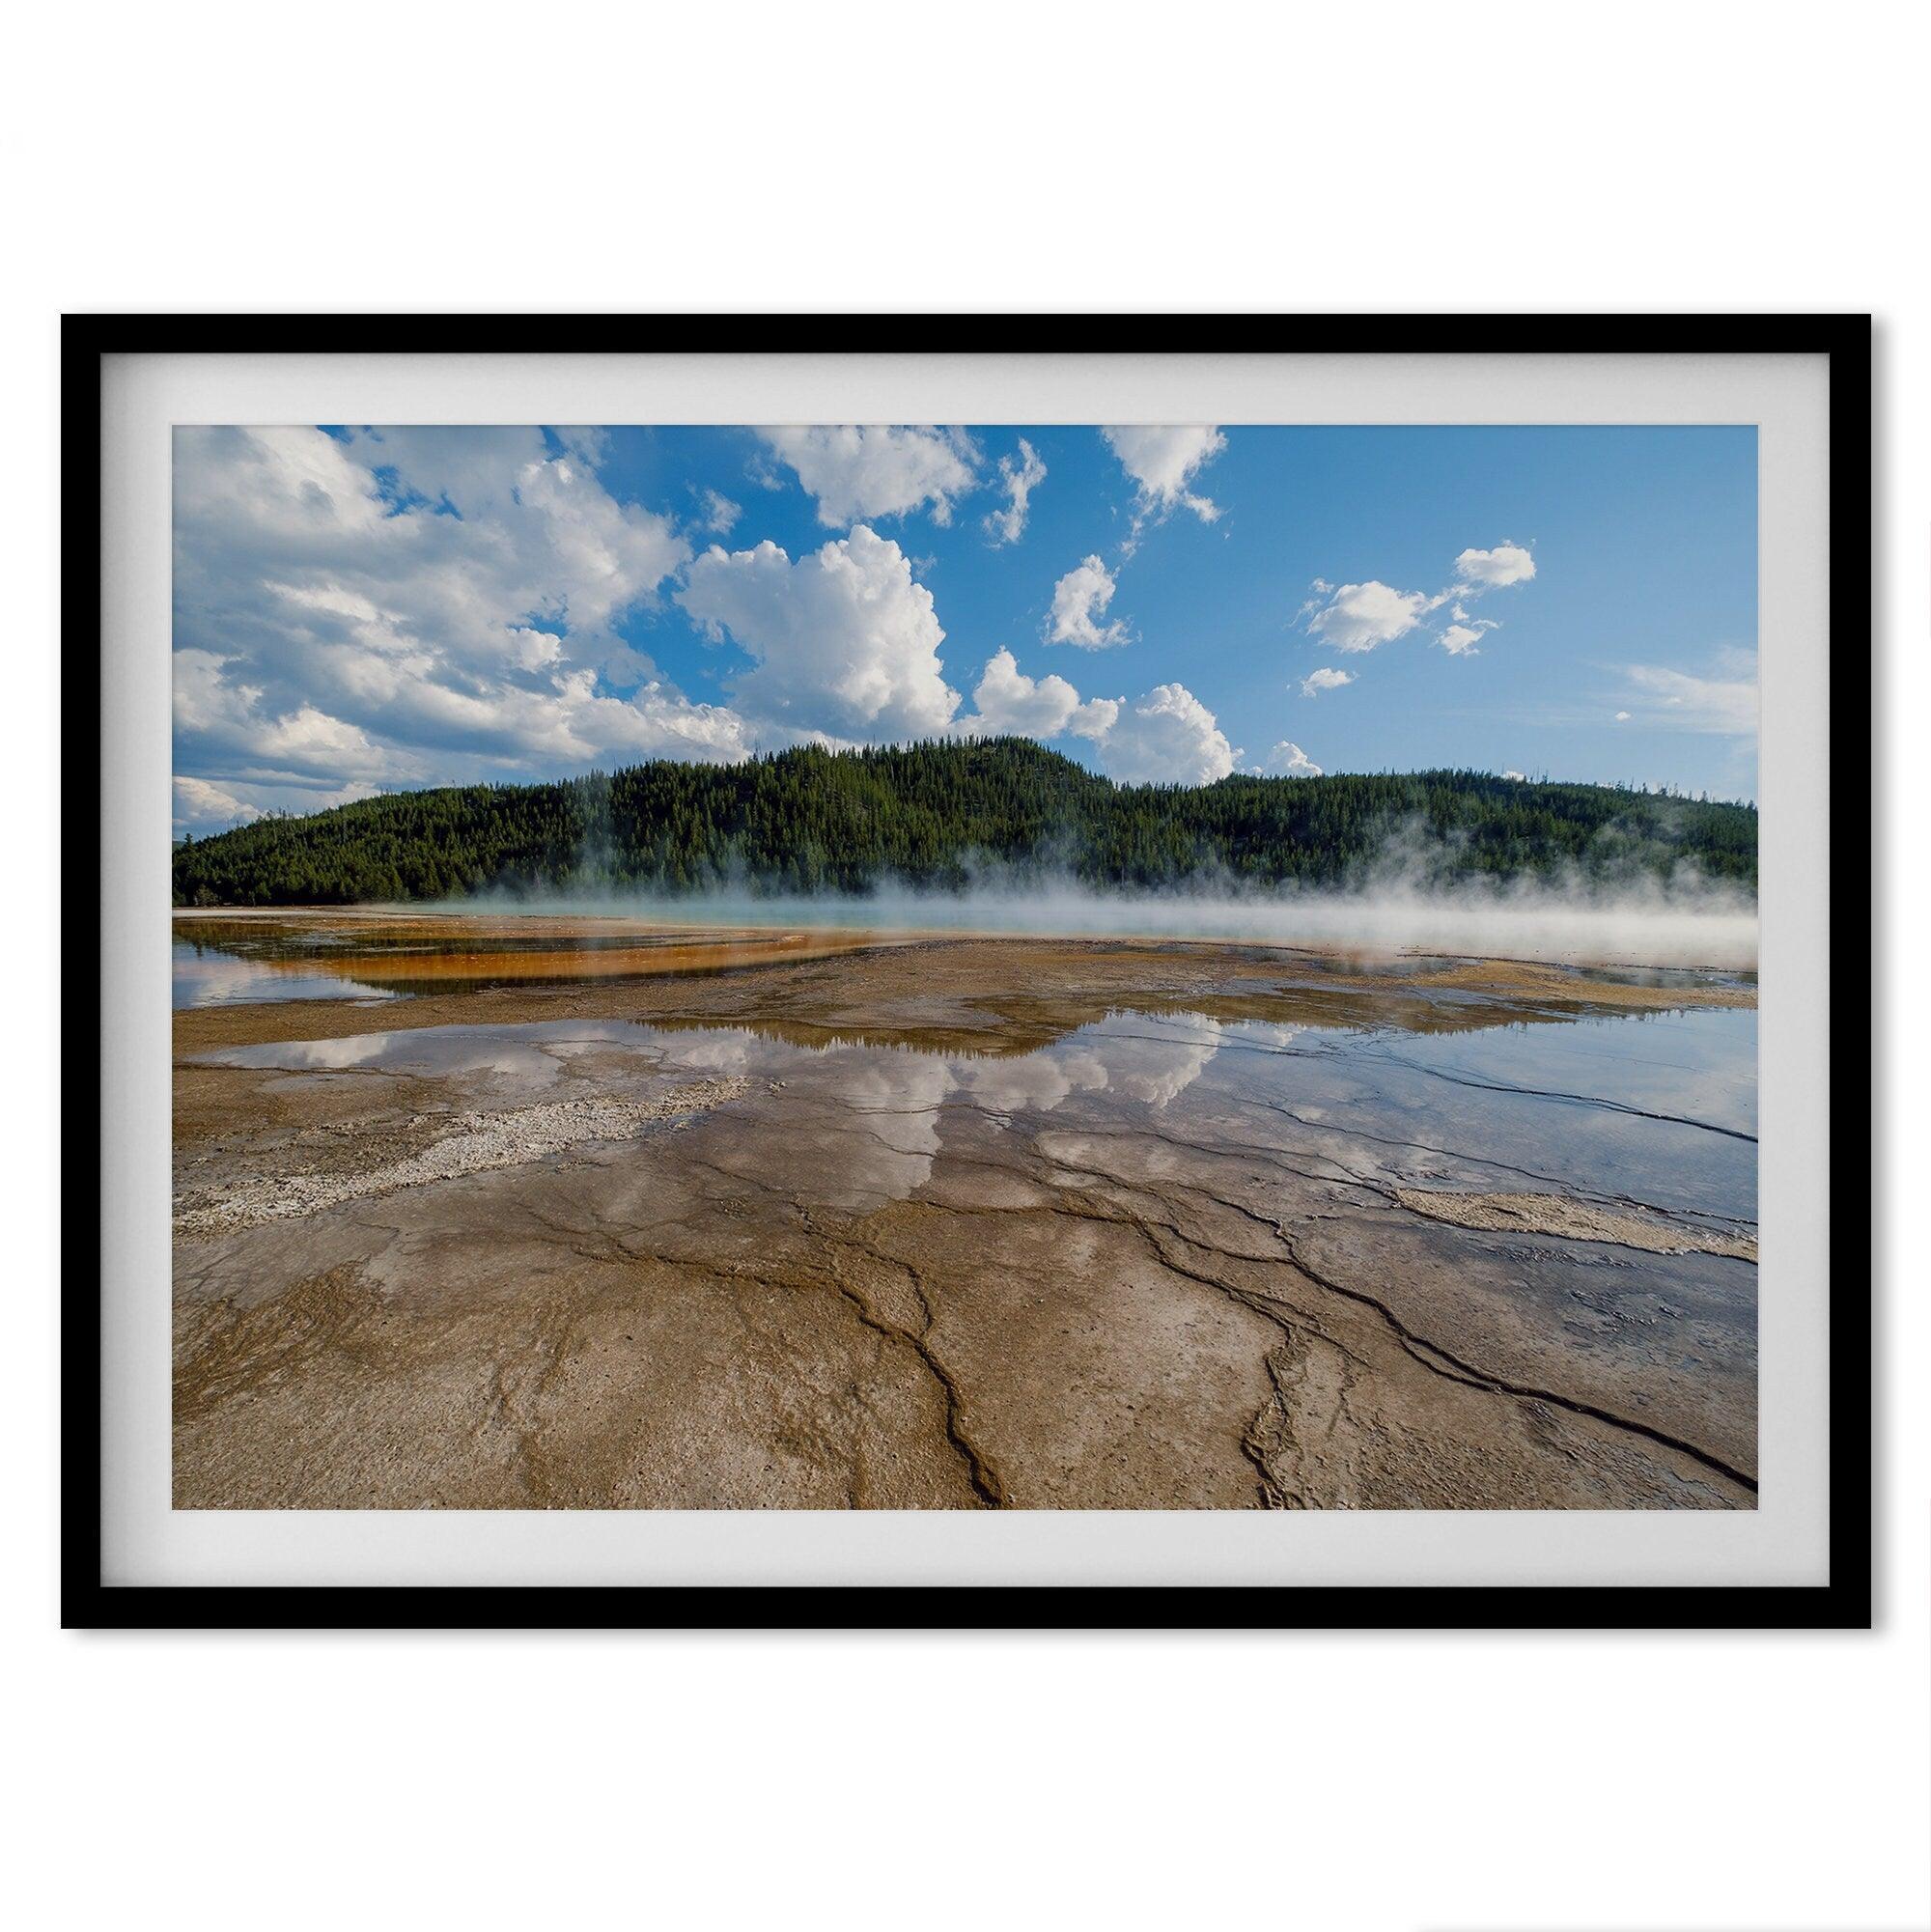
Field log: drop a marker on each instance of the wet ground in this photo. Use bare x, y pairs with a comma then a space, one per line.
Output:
957, 1223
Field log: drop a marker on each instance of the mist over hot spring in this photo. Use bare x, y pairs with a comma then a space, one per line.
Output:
1685, 922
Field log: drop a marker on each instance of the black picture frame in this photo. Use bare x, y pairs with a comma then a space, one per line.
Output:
1844, 1602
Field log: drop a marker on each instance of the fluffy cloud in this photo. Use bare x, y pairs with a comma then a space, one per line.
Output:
345, 533
1095, 718
720, 514
1683, 702
857, 474
608, 554
1166, 737
1288, 761
1162, 462
471, 471
408, 606
1493, 570
1018, 479
1008, 701
1518, 777
1079, 600
230, 723
199, 803
1359, 616
654, 721
845, 642
227, 725
204, 807
1326, 679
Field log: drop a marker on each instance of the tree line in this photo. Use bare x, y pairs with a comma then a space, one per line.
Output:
939, 816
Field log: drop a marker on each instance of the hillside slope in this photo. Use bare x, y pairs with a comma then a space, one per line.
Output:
938, 816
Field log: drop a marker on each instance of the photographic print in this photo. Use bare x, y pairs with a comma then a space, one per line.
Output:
1010, 966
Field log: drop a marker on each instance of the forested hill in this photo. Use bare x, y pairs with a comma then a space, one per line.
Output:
943, 815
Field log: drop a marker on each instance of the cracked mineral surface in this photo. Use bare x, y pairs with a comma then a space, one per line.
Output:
959, 1222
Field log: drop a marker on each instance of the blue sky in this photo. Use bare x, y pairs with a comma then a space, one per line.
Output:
360, 610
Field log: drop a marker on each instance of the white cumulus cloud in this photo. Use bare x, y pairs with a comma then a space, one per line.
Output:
1019, 477
199, 804
859, 475
1359, 616
1287, 759
412, 606
845, 642
1079, 600
1096, 717
1493, 570
1167, 738
1162, 462
1009, 702
1326, 679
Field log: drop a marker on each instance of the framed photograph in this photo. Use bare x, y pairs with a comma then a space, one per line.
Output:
1071, 971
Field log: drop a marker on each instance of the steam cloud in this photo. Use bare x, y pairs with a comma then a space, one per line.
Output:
1687, 922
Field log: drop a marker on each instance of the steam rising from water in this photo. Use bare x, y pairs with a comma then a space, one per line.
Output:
1682, 924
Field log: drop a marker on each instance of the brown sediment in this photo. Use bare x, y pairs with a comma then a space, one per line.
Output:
377, 950
409, 970
951, 989
1574, 1221
883, 1273
1563, 985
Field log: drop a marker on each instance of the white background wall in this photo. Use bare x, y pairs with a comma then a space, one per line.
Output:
993, 156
